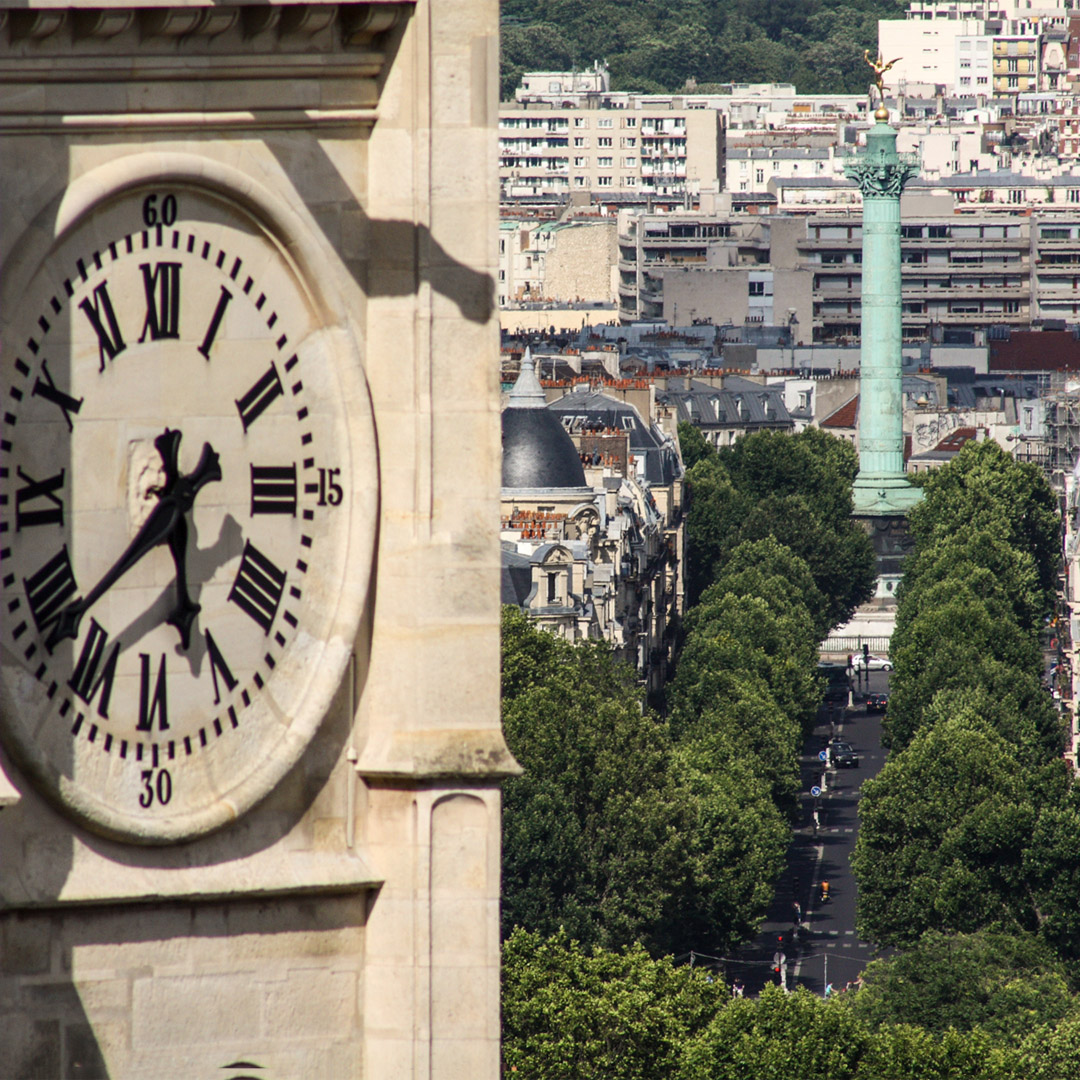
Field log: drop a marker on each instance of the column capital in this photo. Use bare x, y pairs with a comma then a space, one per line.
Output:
879, 170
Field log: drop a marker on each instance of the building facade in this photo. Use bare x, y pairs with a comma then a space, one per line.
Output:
249, 716
593, 519
662, 149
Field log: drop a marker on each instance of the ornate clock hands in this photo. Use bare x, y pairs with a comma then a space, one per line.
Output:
167, 523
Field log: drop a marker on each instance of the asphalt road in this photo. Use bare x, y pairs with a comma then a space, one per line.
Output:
828, 948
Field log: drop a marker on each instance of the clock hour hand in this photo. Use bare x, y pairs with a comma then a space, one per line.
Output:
175, 498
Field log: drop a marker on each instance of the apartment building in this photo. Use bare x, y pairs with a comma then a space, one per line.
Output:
962, 273
719, 268
546, 149
751, 168
1002, 49
558, 262
1017, 66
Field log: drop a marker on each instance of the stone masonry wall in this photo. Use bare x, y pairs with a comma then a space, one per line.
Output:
580, 261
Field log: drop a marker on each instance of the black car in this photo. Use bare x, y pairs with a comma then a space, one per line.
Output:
842, 755
877, 702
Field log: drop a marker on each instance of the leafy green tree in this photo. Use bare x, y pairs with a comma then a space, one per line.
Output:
1052, 869
732, 634
905, 1053
592, 832
716, 510
614, 834
773, 572
813, 464
795, 489
1052, 1051
736, 843
956, 639
1005, 984
693, 444
657, 46
598, 1015
839, 555
985, 489
791, 1036
944, 836
986, 562
1014, 704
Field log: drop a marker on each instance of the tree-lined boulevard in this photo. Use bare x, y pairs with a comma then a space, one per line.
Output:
827, 950
653, 859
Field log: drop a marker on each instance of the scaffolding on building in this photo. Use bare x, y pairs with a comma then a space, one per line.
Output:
1062, 427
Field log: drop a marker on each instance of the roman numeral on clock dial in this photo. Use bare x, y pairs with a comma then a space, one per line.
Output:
273, 489
103, 319
215, 322
85, 680
49, 589
36, 491
153, 703
218, 667
47, 390
255, 402
161, 283
258, 587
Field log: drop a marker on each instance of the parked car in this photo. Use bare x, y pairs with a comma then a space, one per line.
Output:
877, 702
873, 663
842, 755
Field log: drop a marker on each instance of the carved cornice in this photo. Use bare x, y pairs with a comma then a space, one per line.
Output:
354, 24
156, 66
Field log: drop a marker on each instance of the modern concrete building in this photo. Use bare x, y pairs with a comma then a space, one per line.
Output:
962, 273
662, 148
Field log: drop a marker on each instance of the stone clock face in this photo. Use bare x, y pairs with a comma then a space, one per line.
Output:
186, 517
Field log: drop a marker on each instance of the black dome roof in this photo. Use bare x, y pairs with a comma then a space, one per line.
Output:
537, 451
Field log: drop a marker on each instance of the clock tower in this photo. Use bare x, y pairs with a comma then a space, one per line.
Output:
249, 728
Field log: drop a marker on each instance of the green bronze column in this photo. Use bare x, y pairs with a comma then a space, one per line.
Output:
881, 487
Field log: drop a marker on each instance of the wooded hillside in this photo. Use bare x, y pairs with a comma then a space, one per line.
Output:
653, 46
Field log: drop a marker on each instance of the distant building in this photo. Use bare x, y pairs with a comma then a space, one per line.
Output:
725, 408
592, 522
647, 149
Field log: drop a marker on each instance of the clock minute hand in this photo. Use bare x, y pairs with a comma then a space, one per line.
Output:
176, 497
185, 490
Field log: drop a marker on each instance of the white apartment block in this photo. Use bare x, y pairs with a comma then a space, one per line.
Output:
926, 52
549, 150
946, 149
973, 63
558, 86
751, 168
977, 48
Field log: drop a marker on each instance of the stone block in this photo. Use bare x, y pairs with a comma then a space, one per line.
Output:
311, 1003
25, 945
195, 1009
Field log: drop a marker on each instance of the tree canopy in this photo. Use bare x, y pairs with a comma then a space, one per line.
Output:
616, 833
598, 1014
655, 47
592, 830
1005, 984
795, 490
